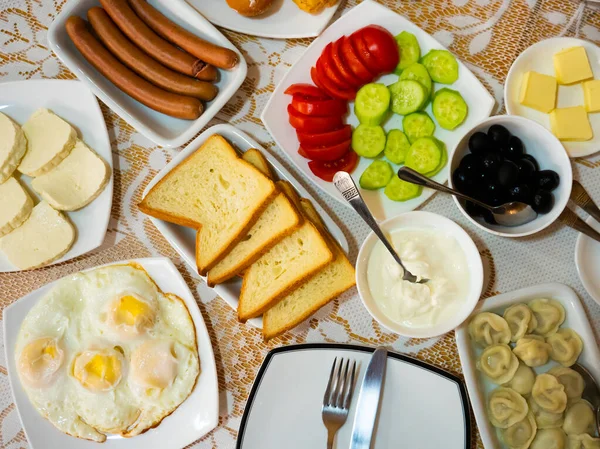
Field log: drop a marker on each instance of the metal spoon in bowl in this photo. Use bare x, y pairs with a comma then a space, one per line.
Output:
346, 186
509, 214
591, 393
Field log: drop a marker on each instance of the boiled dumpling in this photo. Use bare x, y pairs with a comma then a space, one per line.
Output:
533, 350
549, 439
521, 434
488, 328
498, 363
549, 394
571, 380
506, 407
520, 320
566, 345
549, 314
579, 418
522, 381
583, 441
544, 419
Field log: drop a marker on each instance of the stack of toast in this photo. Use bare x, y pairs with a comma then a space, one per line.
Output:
251, 225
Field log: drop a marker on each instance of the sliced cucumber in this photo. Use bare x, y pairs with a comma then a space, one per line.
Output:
409, 50
399, 190
449, 108
417, 124
407, 96
424, 155
443, 160
377, 175
419, 73
396, 146
368, 141
372, 103
441, 65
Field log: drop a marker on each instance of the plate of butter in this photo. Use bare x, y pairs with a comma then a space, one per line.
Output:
556, 82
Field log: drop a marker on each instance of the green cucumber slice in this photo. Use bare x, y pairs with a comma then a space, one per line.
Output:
368, 141
443, 160
419, 73
407, 96
424, 155
449, 108
410, 51
396, 146
399, 190
416, 125
372, 103
441, 65
377, 175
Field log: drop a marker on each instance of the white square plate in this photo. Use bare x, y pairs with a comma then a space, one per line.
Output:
195, 417
160, 128
275, 116
184, 239
72, 101
283, 20
480, 387
421, 406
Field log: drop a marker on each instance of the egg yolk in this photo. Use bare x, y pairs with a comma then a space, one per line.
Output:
131, 316
98, 371
153, 365
39, 361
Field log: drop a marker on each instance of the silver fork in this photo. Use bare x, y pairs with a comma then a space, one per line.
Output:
338, 395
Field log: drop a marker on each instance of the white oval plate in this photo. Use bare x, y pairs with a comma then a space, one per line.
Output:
479, 386
284, 20
72, 101
275, 116
184, 239
195, 417
538, 58
587, 261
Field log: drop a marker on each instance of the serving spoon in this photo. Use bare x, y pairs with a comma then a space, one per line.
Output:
346, 186
514, 213
591, 393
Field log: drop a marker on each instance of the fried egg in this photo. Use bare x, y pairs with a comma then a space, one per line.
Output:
106, 352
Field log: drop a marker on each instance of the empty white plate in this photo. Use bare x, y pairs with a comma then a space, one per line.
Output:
421, 405
587, 261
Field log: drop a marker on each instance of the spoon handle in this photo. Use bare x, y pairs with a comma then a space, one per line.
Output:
582, 198
570, 218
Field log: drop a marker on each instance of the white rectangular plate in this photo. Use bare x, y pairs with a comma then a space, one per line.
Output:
195, 417
160, 128
184, 239
73, 102
421, 406
275, 115
480, 387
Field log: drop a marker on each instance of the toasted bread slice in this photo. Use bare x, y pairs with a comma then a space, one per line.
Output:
256, 158
214, 191
12, 146
308, 209
15, 205
290, 191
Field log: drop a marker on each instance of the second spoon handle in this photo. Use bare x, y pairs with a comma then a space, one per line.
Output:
582, 198
570, 218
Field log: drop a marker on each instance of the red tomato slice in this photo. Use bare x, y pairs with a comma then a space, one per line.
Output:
331, 138
318, 108
324, 83
326, 170
306, 123
326, 153
338, 60
382, 46
326, 66
363, 54
354, 62
308, 90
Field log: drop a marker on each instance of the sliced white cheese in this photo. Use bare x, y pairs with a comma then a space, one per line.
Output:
76, 181
15, 205
49, 140
43, 238
12, 146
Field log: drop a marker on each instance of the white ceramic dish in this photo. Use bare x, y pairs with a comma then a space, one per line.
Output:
284, 20
538, 58
184, 239
479, 387
160, 128
275, 117
587, 261
277, 416
421, 220
195, 417
550, 154
72, 101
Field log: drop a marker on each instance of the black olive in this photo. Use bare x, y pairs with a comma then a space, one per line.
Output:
499, 134
479, 143
473, 209
495, 195
533, 160
490, 161
461, 181
526, 170
547, 180
508, 174
543, 201
470, 165
513, 150
520, 192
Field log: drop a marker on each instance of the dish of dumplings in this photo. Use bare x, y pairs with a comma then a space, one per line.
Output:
517, 350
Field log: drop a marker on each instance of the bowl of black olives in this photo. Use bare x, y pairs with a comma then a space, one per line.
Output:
510, 158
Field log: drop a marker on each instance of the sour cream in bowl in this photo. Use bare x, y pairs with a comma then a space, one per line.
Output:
432, 247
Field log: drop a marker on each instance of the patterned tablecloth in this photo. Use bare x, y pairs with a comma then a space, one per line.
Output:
487, 35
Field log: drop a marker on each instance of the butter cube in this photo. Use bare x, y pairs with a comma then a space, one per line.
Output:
572, 65
591, 92
571, 124
538, 91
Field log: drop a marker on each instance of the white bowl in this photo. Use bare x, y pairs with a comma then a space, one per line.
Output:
550, 154
422, 220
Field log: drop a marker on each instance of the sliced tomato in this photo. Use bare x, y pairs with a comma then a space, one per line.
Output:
326, 170
302, 153
324, 83
354, 62
326, 66
318, 108
382, 46
364, 55
326, 153
306, 123
330, 138
338, 60
308, 90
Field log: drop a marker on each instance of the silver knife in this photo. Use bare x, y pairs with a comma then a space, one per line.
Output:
367, 406
580, 197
